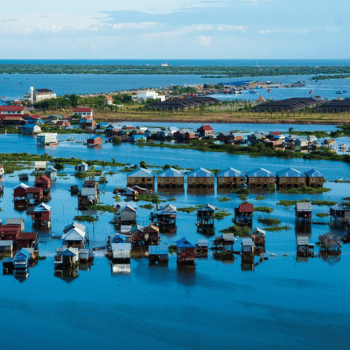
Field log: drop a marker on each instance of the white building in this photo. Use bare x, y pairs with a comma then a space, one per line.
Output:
38, 95
47, 139
146, 95
83, 111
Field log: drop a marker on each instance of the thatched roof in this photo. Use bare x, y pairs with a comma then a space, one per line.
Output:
329, 238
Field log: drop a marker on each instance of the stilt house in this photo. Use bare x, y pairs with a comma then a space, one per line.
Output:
230, 178
200, 178
141, 177
290, 178
170, 179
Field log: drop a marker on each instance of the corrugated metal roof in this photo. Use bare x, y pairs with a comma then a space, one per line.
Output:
229, 237
75, 234
340, 206
184, 243
257, 231
303, 206
141, 172
313, 173
74, 224
247, 242
290, 172
170, 173
121, 246
88, 191
6, 243
158, 250
259, 172
42, 207
202, 243
302, 240
208, 207
14, 221
230, 172
201, 172
167, 209
21, 185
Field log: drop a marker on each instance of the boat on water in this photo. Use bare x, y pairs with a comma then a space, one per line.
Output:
344, 91
339, 92
269, 90
311, 91
252, 91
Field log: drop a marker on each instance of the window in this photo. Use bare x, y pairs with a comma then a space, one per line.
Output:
312, 180
211, 179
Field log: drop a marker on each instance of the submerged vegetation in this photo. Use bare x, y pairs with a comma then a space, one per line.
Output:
264, 209
85, 218
237, 230
187, 210
221, 214
306, 190
102, 207
277, 228
269, 221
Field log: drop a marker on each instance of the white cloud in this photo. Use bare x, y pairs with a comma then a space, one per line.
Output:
129, 26
204, 40
225, 27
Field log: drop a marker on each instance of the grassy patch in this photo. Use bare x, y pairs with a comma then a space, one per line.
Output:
225, 199
102, 207
85, 218
289, 203
237, 230
323, 203
172, 248
264, 209
260, 198
148, 197
322, 215
277, 228
187, 210
269, 221
306, 190
147, 206
221, 214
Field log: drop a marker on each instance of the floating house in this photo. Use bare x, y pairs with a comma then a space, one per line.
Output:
43, 182
2, 173
340, 215
22, 258
244, 214
186, 252
15, 222
31, 128
47, 139
290, 178
247, 250
121, 252
170, 179
6, 247
141, 177
303, 212
224, 242
40, 166
34, 195
205, 216
260, 178
165, 216
126, 215
27, 240
87, 196
205, 131
94, 141
81, 168
66, 258
158, 254
23, 177
258, 237
305, 249
202, 248
20, 193
42, 215
329, 244
73, 225
200, 178
74, 238
230, 178
314, 178
9, 232
51, 173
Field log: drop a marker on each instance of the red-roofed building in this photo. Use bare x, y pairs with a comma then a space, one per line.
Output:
63, 123
9, 232
27, 240
244, 214
34, 195
206, 131
12, 109
11, 120
34, 118
43, 182
83, 111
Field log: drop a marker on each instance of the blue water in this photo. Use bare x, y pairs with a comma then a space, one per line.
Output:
193, 62
280, 304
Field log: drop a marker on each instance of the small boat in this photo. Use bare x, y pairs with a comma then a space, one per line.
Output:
311, 91
339, 92
344, 91
269, 90
252, 91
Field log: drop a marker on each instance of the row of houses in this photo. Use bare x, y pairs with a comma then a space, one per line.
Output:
228, 178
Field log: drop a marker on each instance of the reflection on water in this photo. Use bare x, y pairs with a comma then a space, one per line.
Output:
67, 275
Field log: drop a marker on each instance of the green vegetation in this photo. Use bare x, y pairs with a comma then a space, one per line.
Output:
318, 134
187, 210
332, 76
172, 248
226, 71
147, 206
329, 203
277, 228
306, 190
103, 180
221, 214
322, 215
289, 203
225, 199
269, 221
237, 230
116, 140
260, 198
101, 207
59, 166
85, 218
147, 197
264, 209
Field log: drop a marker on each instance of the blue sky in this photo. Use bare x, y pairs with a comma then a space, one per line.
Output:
218, 29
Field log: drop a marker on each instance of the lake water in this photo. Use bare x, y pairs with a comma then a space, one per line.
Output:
281, 303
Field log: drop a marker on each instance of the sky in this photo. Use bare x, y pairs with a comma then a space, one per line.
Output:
177, 29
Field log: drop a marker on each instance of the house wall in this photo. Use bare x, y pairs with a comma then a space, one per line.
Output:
170, 181
314, 181
290, 182
227, 182
261, 182
146, 182
200, 181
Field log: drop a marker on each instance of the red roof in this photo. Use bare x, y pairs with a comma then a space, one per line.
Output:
205, 127
246, 208
11, 117
12, 108
82, 109
32, 236
275, 133
34, 190
43, 178
34, 116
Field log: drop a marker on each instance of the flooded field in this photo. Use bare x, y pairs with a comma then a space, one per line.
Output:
280, 302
